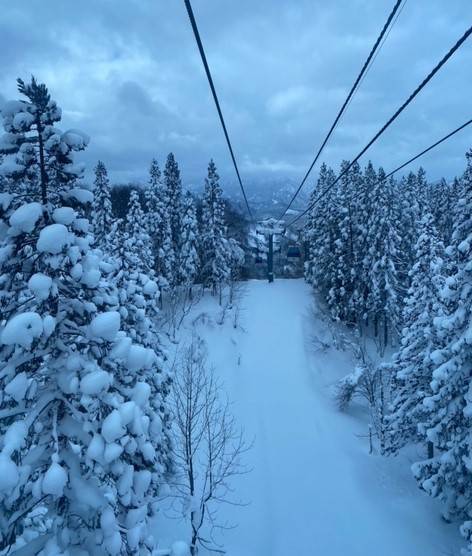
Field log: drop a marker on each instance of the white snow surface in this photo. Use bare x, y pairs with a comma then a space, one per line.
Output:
313, 489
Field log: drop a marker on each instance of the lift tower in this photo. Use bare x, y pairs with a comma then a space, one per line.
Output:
268, 228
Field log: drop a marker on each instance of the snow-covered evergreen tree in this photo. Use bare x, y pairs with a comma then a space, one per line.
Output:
381, 259
443, 199
236, 262
342, 267
40, 157
167, 259
358, 218
102, 217
137, 240
411, 203
173, 187
155, 205
158, 224
448, 417
188, 255
320, 233
214, 247
412, 366
83, 433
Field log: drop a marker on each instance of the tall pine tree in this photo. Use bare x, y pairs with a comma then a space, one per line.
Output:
173, 188
448, 420
188, 256
214, 248
102, 217
412, 366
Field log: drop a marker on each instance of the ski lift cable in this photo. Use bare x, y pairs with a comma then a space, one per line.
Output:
423, 84
423, 152
418, 156
431, 147
198, 40
376, 54
363, 71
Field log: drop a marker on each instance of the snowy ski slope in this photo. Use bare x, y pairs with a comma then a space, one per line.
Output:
313, 489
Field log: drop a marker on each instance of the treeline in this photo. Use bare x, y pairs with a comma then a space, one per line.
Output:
394, 258
165, 234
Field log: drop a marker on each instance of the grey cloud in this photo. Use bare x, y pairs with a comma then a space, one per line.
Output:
128, 73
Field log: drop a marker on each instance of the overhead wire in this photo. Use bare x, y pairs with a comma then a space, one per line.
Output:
346, 102
412, 96
377, 53
430, 148
198, 40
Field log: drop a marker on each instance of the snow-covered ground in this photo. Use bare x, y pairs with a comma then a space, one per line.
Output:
313, 489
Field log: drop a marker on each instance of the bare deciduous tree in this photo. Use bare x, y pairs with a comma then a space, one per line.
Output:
178, 303
208, 445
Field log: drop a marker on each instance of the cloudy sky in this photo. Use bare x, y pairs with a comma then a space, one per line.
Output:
127, 72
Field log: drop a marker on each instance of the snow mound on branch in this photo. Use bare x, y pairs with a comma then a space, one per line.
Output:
5, 200
55, 480
14, 437
22, 121
180, 548
96, 381
11, 107
24, 218
91, 278
141, 393
53, 238
150, 288
9, 167
83, 196
9, 475
49, 325
112, 451
139, 357
17, 387
75, 139
121, 347
64, 215
127, 412
105, 325
96, 448
112, 427
40, 285
5, 253
22, 329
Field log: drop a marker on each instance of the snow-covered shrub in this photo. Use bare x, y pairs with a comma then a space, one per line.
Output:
347, 388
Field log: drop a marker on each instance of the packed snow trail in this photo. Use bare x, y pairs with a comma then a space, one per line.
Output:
313, 489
